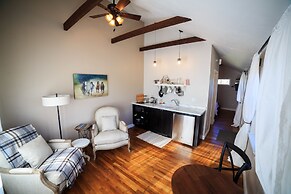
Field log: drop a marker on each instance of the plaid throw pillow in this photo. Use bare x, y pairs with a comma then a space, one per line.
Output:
13, 138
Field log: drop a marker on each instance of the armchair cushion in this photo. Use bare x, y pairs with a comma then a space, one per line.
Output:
108, 123
109, 137
35, 152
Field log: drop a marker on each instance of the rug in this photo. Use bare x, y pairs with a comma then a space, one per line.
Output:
154, 139
225, 135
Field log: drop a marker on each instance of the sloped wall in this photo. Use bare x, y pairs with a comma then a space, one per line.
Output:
39, 58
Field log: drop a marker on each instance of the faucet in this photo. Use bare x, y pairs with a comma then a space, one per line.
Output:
177, 102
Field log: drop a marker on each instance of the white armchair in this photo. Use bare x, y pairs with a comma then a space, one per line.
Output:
108, 132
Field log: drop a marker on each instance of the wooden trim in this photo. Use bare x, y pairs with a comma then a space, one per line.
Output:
80, 12
152, 27
172, 43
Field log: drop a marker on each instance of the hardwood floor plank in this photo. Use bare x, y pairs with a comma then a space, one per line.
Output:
147, 169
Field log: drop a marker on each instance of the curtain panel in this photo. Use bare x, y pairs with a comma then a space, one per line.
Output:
249, 108
273, 116
239, 98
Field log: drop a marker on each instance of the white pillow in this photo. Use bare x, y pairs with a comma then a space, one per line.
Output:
35, 152
108, 123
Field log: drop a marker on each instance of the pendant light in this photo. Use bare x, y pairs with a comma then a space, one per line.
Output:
179, 60
155, 59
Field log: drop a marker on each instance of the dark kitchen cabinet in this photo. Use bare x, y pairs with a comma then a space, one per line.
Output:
156, 120
140, 116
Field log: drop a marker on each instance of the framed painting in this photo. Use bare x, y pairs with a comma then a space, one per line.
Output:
90, 85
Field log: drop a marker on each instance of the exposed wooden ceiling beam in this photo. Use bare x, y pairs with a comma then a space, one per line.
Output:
159, 25
172, 43
80, 12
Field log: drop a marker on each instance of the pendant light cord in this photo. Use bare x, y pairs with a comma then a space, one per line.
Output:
155, 42
180, 32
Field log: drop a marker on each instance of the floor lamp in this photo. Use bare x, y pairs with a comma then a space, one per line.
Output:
56, 100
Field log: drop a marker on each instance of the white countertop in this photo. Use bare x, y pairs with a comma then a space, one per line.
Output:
189, 110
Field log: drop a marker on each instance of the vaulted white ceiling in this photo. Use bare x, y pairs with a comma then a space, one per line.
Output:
236, 28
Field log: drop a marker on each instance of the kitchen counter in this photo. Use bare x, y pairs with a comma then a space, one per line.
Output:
167, 111
191, 111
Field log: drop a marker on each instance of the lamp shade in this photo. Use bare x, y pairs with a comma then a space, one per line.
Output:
56, 100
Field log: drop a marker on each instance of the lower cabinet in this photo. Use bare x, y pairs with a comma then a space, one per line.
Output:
140, 116
155, 120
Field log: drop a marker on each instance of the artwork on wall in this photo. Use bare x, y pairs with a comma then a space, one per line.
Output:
90, 85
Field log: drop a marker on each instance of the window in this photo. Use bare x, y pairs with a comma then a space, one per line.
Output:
224, 82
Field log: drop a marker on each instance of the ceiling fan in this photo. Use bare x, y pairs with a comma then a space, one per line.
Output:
115, 15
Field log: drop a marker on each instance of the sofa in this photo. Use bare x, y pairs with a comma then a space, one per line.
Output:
29, 164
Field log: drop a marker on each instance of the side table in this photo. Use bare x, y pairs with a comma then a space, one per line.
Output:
82, 143
83, 130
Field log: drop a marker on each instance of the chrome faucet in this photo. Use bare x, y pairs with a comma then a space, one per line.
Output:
177, 102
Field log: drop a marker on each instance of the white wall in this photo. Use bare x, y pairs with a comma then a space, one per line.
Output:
38, 58
196, 65
226, 94
211, 91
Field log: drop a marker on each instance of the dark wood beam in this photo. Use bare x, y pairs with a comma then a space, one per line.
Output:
172, 43
80, 12
159, 25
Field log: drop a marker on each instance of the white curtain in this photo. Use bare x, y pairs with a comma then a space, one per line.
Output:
239, 98
249, 108
273, 116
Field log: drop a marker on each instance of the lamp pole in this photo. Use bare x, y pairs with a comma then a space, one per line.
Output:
59, 119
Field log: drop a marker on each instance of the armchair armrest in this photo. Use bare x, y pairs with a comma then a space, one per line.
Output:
60, 143
94, 132
26, 180
123, 126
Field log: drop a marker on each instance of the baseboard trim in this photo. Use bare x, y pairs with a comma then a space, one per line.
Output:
203, 136
130, 126
230, 109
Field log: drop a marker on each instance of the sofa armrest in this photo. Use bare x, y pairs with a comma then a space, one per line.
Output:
60, 143
26, 180
123, 126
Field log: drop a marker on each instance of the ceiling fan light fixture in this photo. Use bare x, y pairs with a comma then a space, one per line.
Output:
119, 19
109, 17
112, 23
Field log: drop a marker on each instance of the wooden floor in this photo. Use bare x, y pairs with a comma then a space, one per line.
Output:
148, 169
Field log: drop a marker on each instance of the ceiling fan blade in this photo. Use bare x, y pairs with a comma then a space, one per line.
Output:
102, 6
130, 16
122, 4
98, 15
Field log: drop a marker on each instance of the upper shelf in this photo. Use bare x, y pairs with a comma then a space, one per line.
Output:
171, 85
